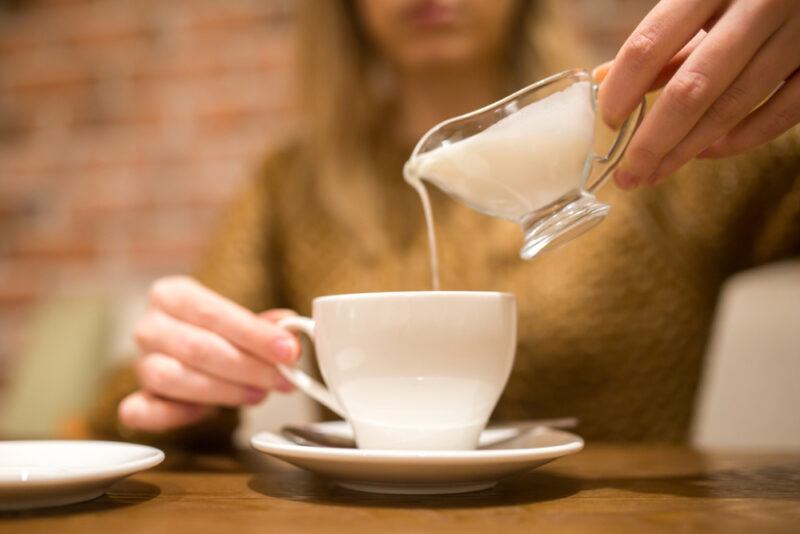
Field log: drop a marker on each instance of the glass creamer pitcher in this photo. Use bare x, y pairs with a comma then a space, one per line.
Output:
528, 158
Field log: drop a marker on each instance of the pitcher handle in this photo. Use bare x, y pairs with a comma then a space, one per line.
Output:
601, 166
305, 383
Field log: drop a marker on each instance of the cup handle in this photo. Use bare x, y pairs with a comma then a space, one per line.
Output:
602, 166
305, 383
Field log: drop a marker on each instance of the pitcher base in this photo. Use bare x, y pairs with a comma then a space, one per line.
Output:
564, 220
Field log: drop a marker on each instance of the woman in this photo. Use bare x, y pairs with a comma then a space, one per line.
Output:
612, 328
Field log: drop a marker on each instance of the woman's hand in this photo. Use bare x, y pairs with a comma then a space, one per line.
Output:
717, 60
199, 350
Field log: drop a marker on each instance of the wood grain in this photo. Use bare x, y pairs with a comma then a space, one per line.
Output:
606, 488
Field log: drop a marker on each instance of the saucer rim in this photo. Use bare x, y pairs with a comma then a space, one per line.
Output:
573, 443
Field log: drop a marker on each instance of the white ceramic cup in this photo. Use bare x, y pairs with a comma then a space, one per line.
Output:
418, 370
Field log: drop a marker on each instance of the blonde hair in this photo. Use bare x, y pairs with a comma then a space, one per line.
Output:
343, 96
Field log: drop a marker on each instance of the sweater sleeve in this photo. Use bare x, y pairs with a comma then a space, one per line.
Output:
236, 264
720, 217
776, 234
756, 197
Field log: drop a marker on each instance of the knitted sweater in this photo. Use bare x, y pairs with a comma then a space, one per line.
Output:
613, 327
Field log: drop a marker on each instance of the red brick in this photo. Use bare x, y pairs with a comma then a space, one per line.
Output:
53, 77
216, 57
10, 210
197, 67
165, 257
17, 288
19, 42
24, 30
151, 249
104, 32
94, 209
17, 295
230, 115
45, 4
52, 247
243, 16
131, 116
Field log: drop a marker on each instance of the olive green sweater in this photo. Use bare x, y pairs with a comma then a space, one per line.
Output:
613, 327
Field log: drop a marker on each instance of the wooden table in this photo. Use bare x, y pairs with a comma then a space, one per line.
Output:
606, 488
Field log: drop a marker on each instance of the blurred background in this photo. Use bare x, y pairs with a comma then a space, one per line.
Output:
126, 125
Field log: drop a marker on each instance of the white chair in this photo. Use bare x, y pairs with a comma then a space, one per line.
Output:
750, 395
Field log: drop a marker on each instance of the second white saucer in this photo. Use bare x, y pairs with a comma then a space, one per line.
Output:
35, 474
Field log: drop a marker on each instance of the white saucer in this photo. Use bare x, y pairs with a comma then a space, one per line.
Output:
35, 474
421, 472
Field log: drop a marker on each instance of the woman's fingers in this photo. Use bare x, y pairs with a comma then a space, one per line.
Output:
677, 61
189, 301
205, 351
276, 314
703, 77
144, 411
661, 34
780, 113
771, 66
172, 379
663, 77
202, 350
601, 71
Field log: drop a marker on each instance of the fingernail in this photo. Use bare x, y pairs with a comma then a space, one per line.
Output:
284, 385
254, 395
285, 349
615, 123
627, 179
619, 181
599, 72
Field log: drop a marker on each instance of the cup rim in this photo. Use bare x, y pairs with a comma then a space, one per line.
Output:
412, 295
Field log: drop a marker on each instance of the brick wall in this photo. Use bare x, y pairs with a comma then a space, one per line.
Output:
124, 126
